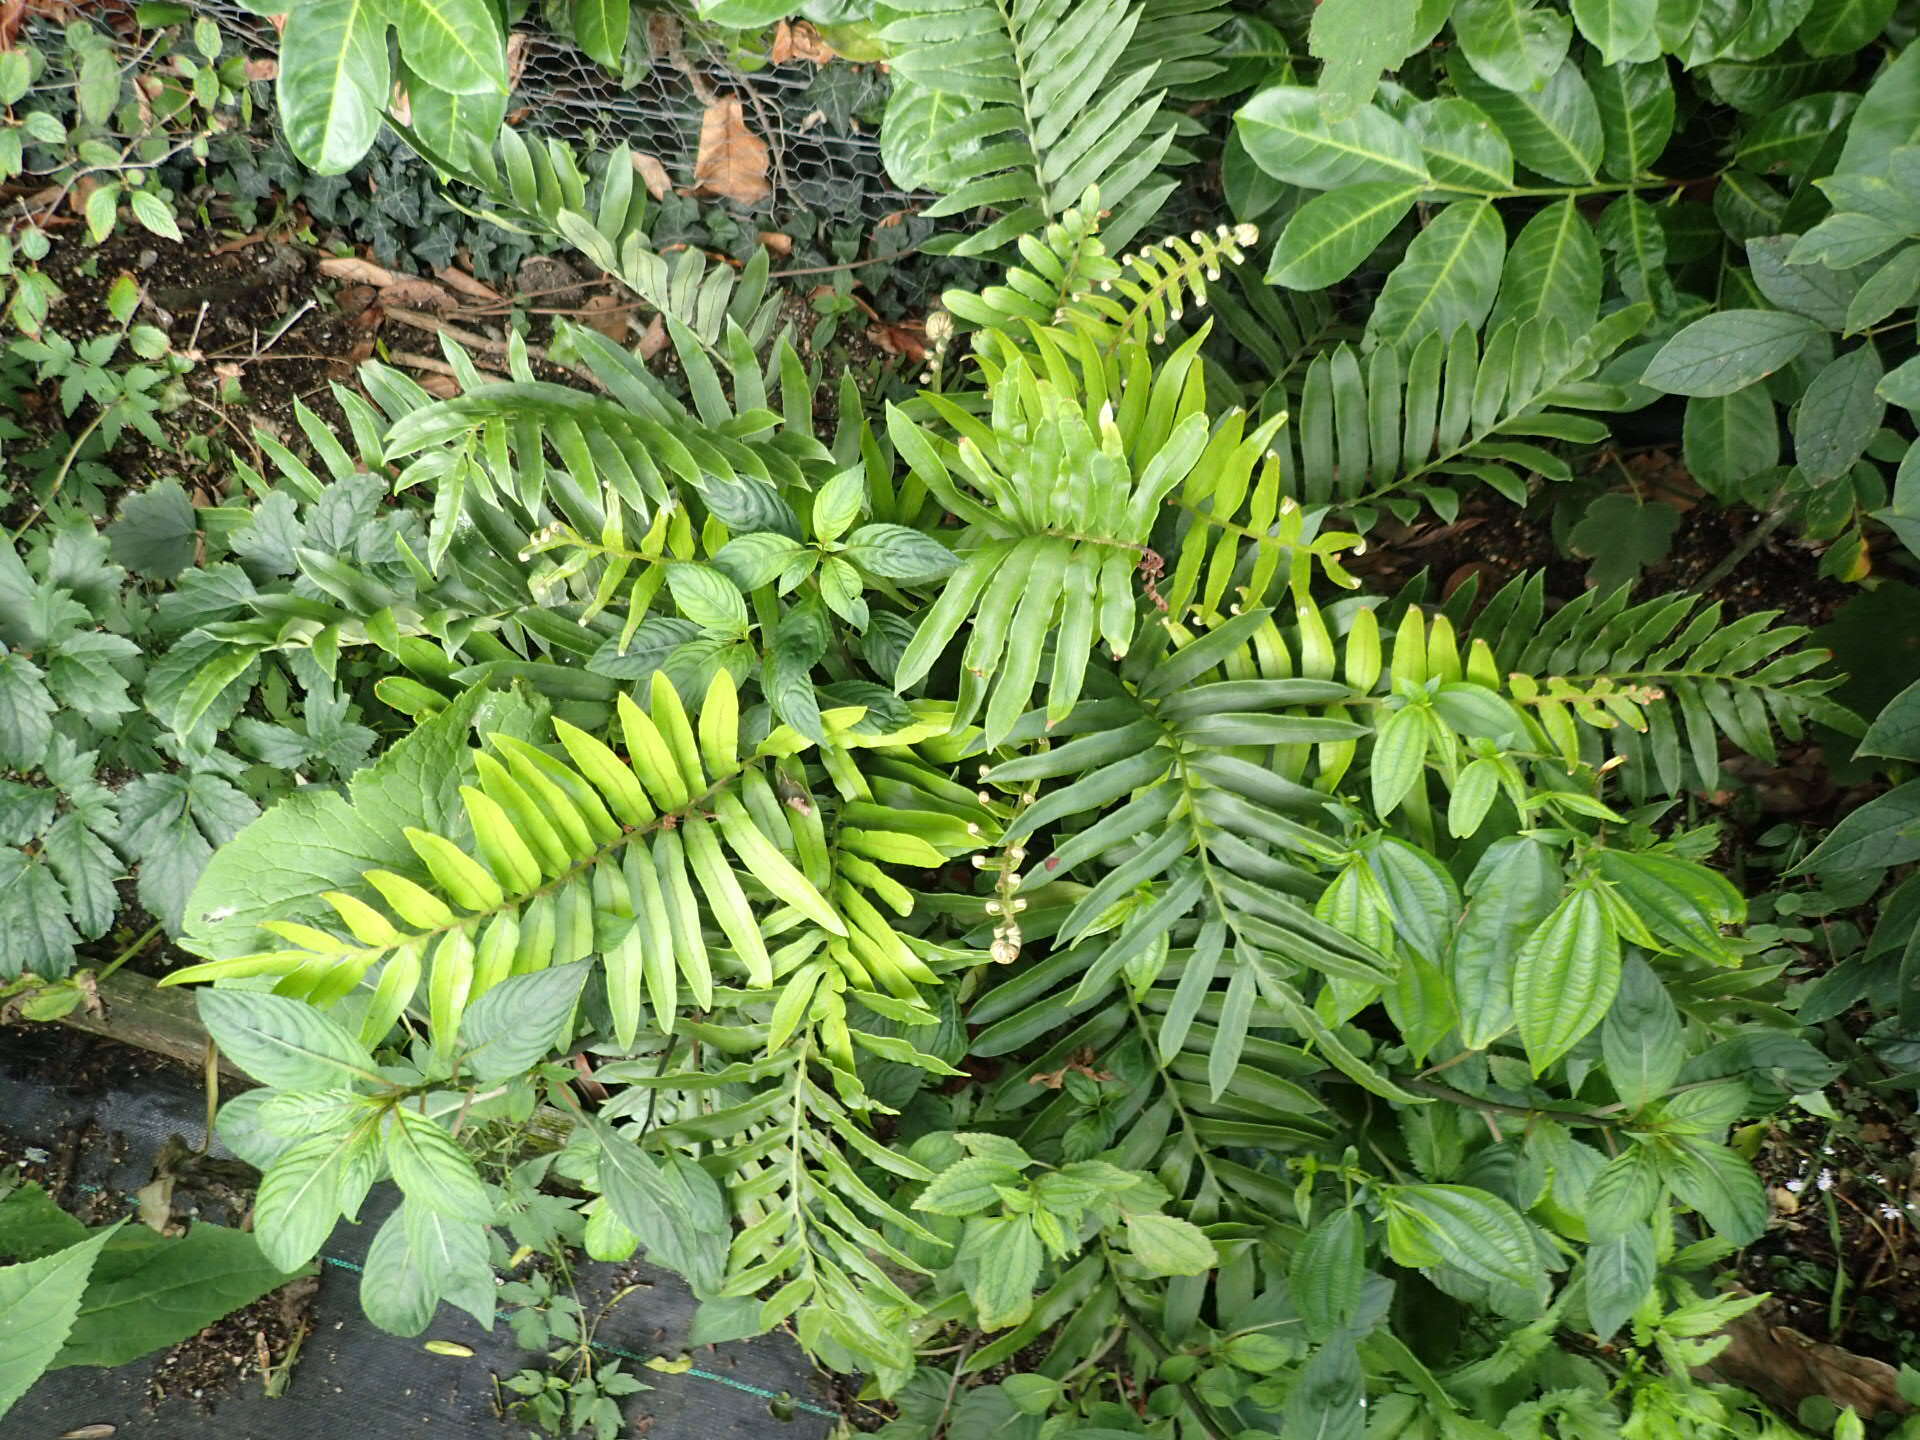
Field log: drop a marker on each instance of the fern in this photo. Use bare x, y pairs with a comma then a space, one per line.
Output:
1053, 105
626, 859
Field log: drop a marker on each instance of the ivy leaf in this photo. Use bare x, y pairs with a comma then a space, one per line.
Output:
1622, 535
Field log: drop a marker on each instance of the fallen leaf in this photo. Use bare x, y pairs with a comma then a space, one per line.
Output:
891, 219
229, 247
353, 268
775, 243
401, 104
652, 174
455, 278
653, 339
798, 40
732, 161
412, 293
678, 1366
263, 69
516, 57
1785, 1367
907, 340
449, 1347
608, 314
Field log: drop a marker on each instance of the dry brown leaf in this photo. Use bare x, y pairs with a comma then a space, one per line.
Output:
441, 387
454, 278
652, 174
608, 314
1785, 1367
732, 162
907, 340
416, 294
267, 68
774, 243
356, 270
798, 40
401, 104
653, 339
516, 57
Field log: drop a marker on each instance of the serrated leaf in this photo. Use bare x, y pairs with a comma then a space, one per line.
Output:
281, 1042
1565, 977
38, 1302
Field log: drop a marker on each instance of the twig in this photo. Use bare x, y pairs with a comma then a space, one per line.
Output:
1750, 542
66, 467
845, 265
421, 321
286, 325
433, 366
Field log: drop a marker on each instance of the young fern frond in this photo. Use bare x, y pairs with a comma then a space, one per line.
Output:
1053, 105
1072, 282
676, 865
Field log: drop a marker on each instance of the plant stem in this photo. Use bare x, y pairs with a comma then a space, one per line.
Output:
130, 951
60, 475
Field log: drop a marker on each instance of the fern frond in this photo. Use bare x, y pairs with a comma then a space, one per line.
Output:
1707, 679
676, 865
1053, 109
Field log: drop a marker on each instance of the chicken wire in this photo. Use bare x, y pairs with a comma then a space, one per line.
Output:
820, 163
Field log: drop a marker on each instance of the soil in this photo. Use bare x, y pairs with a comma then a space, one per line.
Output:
262, 1340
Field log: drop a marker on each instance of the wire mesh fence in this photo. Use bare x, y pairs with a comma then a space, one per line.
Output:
822, 159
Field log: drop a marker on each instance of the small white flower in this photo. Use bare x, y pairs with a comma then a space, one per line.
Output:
1825, 1182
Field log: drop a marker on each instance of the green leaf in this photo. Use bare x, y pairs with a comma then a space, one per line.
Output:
102, 209
1892, 287
1619, 1274
1640, 1040
26, 712
1288, 137
156, 531
1463, 148
1622, 534
968, 1186
895, 552
673, 1205
1327, 238
1470, 1230
302, 1193
708, 598
600, 29
1720, 1185
38, 1302
32, 1226
430, 1168
1447, 280
1328, 1272
1841, 27
1809, 289
1895, 731
1355, 40
1728, 439
1165, 1245
1399, 758
1329, 1400
148, 1292
98, 85
1511, 44
1552, 270
1565, 977
1636, 107
1513, 889
1888, 117
1728, 351
999, 1258
35, 932
1555, 129
1622, 30
1883, 832
520, 1021
454, 45
154, 214
1839, 415
283, 1043
334, 80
